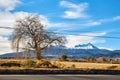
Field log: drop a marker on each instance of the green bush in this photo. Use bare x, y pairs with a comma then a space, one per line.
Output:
10, 64
29, 63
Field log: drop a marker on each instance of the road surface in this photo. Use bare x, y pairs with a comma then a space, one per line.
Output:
59, 77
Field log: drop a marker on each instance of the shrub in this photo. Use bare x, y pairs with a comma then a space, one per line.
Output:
112, 67
10, 64
64, 57
73, 66
45, 64
60, 65
104, 59
91, 59
28, 63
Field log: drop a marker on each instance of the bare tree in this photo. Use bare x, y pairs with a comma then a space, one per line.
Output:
30, 32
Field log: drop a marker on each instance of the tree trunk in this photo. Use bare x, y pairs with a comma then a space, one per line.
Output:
38, 54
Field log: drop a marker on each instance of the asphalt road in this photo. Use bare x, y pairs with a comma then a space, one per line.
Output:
59, 77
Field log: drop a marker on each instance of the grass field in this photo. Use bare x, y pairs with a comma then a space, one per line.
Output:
87, 65
66, 65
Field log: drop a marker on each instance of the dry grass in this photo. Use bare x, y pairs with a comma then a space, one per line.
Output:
68, 65
86, 66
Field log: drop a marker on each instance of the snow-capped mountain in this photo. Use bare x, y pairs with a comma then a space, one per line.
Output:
86, 46
79, 51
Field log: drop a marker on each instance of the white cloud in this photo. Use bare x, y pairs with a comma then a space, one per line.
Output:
92, 23
7, 19
116, 18
5, 45
5, 31
75, 10
73, 26
84, 38
8, 5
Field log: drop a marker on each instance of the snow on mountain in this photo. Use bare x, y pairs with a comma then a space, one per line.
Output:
86, 46
80, 51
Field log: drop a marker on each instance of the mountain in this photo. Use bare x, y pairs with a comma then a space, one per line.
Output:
86, 46
20, 54
80, 51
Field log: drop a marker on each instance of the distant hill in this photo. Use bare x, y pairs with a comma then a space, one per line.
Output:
80, 51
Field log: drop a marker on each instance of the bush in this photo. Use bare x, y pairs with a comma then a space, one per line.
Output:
59, 65
91, 59
29, 63
10, 64
64, 57
73, 66
112, 67
45, 64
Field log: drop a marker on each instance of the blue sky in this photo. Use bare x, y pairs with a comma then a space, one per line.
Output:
79, 20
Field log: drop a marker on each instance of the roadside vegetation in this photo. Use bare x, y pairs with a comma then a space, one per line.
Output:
56, 64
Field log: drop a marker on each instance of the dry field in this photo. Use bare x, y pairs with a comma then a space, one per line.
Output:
68, 65
87, 66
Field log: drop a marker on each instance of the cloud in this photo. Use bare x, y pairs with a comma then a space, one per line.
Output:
84, 38
7, 19
8, 5
4, 32
5, 45
75, 10
116, 18
92, 23
71, 26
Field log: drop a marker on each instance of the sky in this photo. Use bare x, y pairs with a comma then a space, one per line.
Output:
80, 21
